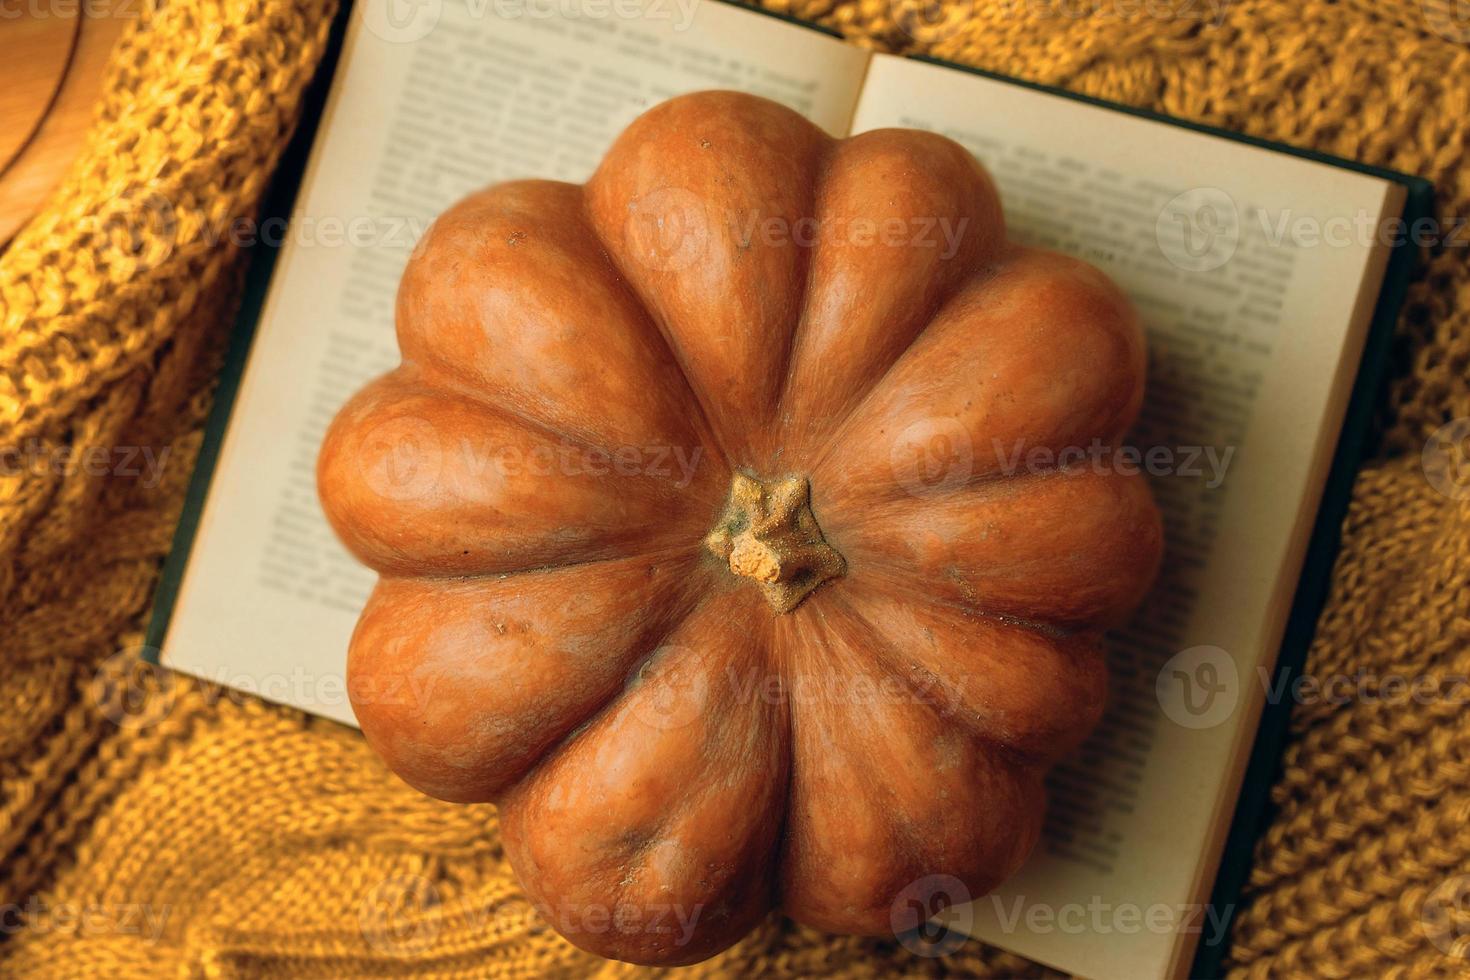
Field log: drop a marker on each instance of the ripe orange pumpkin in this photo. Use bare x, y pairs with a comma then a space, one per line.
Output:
718, 540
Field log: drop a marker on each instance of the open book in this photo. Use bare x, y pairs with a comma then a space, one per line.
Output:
1248, 264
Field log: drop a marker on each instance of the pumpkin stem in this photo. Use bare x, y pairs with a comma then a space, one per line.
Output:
769, 535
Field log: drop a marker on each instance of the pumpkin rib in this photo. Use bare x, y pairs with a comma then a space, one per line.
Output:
982, 482
670, 553
439, 380
1074, 702
838, 428
897, 579
707, 430
726, 292
706, 848
868, 295
1025, 550
434, 379
568, 741
1039, 348
590, 722
510, 290
534, 655
787, 366
947, 803
899, 576
716, 588
785, 360
403, 480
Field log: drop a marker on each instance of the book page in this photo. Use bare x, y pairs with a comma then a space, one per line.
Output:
1255, 274
422, 113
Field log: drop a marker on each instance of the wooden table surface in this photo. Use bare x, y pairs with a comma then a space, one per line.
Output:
54, 58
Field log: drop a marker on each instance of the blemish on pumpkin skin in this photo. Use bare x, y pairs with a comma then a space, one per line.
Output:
516, 237
966, 589
635, 841
947, 750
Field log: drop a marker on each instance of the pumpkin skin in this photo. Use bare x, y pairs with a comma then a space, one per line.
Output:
597, 644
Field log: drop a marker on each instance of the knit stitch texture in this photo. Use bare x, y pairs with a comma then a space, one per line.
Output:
152, 825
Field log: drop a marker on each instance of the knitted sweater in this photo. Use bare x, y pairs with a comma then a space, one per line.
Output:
152, 824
